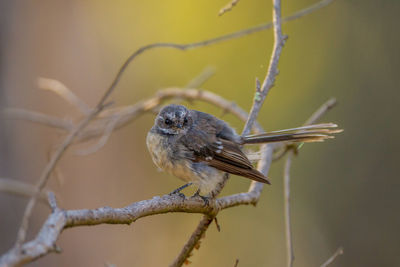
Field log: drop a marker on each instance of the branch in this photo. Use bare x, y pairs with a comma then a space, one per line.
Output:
279, 41
288, 227
62, 90
328, 105
15, 187
45, 241
286, 190
338, 252
258, 101
39, 118
228, 7
282, 148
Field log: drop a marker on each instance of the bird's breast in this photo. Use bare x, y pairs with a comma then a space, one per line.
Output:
163, 155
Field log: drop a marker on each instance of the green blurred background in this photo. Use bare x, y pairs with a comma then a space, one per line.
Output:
345, 192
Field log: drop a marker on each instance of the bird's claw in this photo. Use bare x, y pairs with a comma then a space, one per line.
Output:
205, 199
177, 193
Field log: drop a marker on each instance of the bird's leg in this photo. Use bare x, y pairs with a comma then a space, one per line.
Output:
205, 199
179, 189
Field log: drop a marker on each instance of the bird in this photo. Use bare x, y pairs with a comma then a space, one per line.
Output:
199, 148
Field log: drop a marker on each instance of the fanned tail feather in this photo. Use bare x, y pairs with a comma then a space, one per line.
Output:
309, 133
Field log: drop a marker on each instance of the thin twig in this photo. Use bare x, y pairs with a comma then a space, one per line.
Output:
193, 240
286, 189
328, 105
103, 140
228, 7
279, 41
325, 107
288, 226
15, 187
338, 252
200, 79
39, 118
63, 91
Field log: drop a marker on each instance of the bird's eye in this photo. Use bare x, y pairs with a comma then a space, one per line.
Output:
185, 121
167, 121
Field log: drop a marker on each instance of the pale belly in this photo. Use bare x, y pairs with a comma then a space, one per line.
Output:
206, 178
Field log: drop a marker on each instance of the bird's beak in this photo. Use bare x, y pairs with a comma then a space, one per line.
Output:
179, 126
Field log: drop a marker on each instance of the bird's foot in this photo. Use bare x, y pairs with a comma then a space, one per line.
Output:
205, 199
179, 189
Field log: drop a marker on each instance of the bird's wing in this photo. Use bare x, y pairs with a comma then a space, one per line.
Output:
221, 154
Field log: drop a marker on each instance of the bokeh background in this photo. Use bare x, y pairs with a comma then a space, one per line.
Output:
345, 192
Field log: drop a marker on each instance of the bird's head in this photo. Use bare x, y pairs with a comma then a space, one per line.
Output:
173, 119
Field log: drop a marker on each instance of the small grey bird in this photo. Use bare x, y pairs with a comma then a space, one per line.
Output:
199, 148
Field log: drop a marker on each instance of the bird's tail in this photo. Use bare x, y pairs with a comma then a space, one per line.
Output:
309, 133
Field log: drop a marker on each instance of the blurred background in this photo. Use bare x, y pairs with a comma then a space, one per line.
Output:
345, 192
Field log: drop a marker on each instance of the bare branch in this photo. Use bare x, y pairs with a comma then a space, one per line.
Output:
193, 240
12, 186
45, 241
279, 41
60, 89
200, 79
228, 7
328, 105
288, 226
338, 252
52, 201
47, 171
286, 189
36, 117
103, 140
